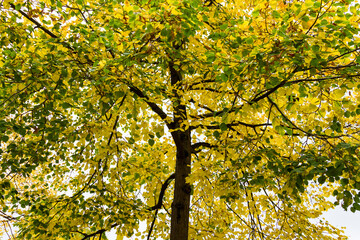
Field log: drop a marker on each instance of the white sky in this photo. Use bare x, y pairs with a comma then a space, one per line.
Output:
338, 217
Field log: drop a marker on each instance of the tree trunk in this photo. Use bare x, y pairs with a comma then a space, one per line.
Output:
182, 138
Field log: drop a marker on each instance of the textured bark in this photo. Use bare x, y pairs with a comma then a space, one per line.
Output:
182, 138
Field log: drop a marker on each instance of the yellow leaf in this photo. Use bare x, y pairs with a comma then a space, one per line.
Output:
338, 94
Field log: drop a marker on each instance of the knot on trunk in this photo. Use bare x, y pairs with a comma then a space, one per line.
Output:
187, 188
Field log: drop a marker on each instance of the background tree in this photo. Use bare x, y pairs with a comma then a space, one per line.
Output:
251, 107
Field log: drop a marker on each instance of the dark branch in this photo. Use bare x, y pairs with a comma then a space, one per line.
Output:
116, 121
201, 144
7, 217
152, 105
258, 97
86, 236
267, 92
38, 25
209, 3
216, 113
207, 89
201, 82
329, 67
201, 105
160, 201
35, 22
322, 79
346, 53
101, 231
231, 125
317, 17
212, 90
152, 224
162, 192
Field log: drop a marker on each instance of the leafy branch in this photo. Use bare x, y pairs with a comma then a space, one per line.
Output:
320, 136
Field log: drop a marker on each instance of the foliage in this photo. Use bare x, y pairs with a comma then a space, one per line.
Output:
99, 98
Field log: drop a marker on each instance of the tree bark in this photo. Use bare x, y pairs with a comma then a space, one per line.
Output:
182, 138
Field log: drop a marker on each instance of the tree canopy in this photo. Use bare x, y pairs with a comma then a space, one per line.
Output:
202, 119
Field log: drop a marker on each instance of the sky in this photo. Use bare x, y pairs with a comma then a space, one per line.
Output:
338, 217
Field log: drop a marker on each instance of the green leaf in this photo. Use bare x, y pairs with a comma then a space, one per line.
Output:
347, 114
280, 129
315, 48
66, 105
151, 142
19, 129
305, 18
256, 13
356, 206
5, 138
344, 182
131, 141
210, 56
224, 26
223, 127
165, 32
216, 134
249, 40
276, 14
322, 179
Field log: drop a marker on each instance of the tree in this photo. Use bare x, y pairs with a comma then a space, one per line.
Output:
204, 119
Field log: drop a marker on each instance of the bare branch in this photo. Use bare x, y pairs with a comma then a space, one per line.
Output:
38, 25
216, 113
